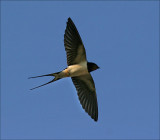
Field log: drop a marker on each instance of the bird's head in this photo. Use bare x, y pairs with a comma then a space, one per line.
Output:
91, 66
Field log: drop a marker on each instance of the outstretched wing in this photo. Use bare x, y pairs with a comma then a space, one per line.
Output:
87, 94
73, 44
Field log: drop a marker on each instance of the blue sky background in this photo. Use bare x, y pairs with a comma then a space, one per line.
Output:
121, 37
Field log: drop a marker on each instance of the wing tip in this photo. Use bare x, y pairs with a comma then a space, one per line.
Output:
69, 18
70, 21
94, 114
96, 119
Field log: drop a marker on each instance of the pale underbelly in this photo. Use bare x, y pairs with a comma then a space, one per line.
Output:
75, 70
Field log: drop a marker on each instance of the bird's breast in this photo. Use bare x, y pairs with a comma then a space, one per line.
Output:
77, 69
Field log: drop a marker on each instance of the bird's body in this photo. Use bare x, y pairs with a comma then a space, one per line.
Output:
76, 70
79, 70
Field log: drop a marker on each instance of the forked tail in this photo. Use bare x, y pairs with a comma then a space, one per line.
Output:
56, 77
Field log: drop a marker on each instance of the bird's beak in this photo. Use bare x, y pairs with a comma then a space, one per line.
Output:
45, 83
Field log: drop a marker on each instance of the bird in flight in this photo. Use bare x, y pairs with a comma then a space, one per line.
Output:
79, 70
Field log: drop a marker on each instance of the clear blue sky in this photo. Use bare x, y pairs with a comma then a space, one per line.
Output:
121, 37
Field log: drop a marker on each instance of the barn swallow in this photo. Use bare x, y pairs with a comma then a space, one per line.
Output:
79, 70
